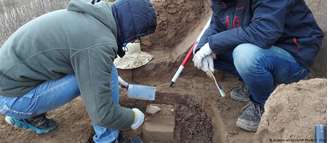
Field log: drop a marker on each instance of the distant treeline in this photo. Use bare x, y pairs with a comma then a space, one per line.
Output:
15, 13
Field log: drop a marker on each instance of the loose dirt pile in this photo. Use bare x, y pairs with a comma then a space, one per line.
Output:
293, 110
193, 124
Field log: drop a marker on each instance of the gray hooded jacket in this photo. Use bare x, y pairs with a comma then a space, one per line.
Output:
81, 39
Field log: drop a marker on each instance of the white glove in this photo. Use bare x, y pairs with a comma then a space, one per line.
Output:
207, 64
123, 83
139, 118
201, 54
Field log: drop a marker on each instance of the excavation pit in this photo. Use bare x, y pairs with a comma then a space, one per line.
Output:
192, 123
159, 127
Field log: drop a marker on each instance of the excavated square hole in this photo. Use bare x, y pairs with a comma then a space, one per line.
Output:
193, 119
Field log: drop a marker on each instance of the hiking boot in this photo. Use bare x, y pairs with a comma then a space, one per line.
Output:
39, 124
250, 117
240, 93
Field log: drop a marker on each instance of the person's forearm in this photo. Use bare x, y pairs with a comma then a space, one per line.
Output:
265, 28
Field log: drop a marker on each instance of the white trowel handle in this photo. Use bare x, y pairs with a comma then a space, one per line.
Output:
122, 82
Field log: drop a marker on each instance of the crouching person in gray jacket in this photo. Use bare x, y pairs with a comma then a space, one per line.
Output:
58, 56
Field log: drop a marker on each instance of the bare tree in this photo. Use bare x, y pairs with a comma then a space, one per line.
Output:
16, 13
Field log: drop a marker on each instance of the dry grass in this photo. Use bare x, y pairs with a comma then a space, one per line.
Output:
14, 14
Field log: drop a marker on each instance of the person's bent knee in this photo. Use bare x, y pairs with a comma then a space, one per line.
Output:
245, 57
245, 50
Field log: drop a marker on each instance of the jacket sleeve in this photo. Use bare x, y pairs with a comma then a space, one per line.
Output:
211, 30
215, 26
92, 67
265, 28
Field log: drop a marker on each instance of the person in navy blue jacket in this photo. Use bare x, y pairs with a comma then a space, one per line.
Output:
264, 42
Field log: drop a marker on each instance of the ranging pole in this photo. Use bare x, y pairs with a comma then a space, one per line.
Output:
189, 55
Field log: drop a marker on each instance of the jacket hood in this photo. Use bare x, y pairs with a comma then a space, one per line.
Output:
102, 11
135, 18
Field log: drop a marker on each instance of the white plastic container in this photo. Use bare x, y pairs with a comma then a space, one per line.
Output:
141, 92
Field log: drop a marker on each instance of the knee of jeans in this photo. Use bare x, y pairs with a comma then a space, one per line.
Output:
245, 57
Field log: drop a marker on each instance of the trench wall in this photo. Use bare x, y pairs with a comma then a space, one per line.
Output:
319, 9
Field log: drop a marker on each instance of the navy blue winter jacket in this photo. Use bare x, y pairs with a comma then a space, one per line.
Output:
134, 19
288, 24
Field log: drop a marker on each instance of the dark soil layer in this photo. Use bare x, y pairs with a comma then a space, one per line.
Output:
193, 125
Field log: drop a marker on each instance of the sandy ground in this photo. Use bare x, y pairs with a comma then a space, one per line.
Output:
73, 126
293, 110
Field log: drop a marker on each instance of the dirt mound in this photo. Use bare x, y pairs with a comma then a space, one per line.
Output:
293, 110
175, 19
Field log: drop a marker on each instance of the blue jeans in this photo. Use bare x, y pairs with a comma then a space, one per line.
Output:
53, 94
261, 69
